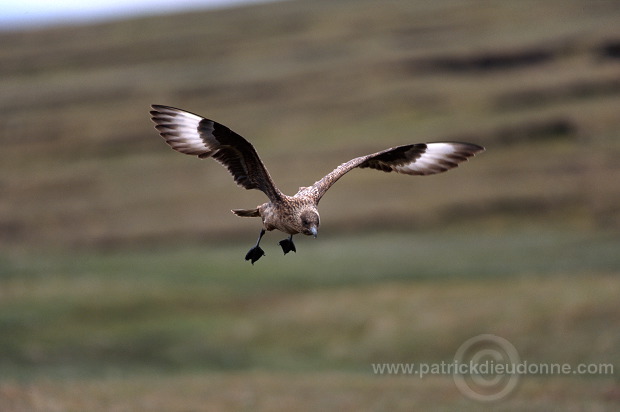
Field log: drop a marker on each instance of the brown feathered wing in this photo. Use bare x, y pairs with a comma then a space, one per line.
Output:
191, 134
413, 159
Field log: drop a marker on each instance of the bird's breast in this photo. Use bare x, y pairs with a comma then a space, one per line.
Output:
281, 217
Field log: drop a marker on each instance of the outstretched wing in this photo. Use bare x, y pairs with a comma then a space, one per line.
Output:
191, 134
413, 159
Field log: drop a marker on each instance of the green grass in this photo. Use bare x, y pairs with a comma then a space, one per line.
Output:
256, 391
192, 326
466, 253
189, 307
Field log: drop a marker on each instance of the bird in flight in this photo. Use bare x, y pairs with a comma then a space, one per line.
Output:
195, 135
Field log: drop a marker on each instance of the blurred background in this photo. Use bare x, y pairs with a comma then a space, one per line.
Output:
122, 279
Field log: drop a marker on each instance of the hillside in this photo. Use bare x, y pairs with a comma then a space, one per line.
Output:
311, 84
122, 280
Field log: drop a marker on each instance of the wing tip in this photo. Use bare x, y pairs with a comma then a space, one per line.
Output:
474, 147
162, 107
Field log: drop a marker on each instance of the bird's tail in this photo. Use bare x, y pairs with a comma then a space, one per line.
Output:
246, 212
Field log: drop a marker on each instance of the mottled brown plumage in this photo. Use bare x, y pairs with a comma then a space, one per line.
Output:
191, 134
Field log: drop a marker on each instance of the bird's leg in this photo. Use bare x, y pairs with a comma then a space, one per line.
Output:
288, 245
256, 252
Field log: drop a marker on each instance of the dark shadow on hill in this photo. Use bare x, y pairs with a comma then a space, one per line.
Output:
481, 62
527, 131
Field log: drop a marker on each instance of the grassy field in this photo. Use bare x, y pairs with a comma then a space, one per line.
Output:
122, 280
188, 328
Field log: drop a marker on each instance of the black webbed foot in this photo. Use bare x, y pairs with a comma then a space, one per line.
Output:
254, 254
288, 245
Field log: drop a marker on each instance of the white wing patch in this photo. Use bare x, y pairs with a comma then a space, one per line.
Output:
437, 158
180, 129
